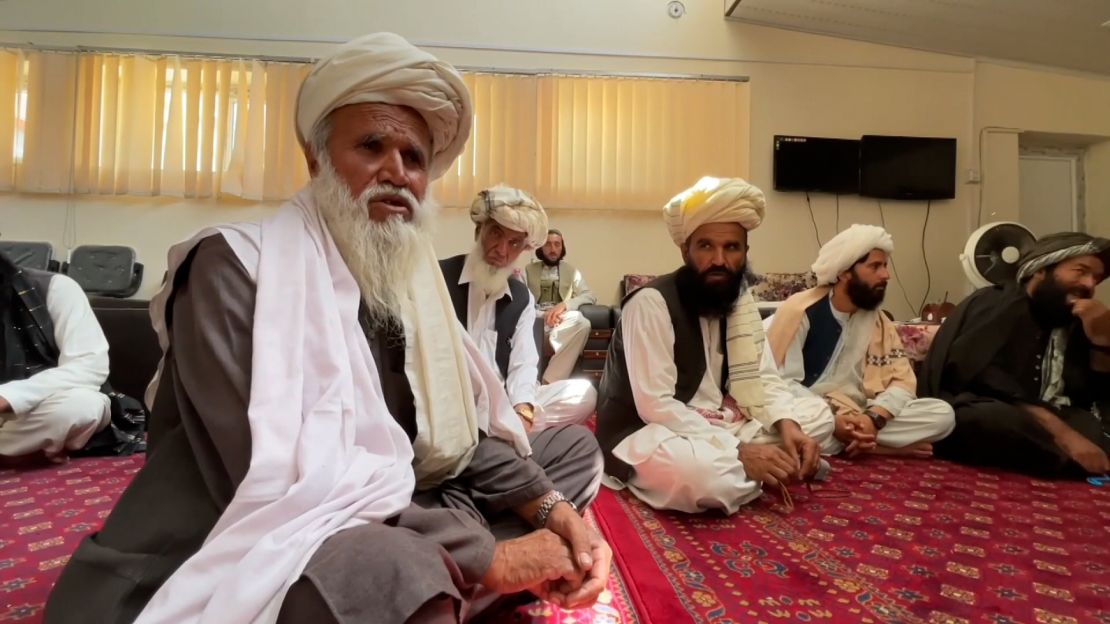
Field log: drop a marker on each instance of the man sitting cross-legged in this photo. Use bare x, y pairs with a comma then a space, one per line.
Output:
1027, 365
326, 443
499, 312
560, 290
834, 343
683, 417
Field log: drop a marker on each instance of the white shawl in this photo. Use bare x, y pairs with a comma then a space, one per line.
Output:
326, 454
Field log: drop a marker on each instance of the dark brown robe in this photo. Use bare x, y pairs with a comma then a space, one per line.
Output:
428, 557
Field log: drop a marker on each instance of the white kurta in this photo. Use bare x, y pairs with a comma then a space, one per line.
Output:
915, 420
682, 460
61, 408
570, 401
568, 338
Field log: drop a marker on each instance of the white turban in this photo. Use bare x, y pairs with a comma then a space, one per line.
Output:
846, 248
714, 200
513, 209
385, 68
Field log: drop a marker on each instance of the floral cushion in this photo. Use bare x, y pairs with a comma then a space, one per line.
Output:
634, 282
779, 286
917, 338
767, 287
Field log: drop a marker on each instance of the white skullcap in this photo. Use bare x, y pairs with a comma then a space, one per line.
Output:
385, 68
513, 209
714, 200
846, 248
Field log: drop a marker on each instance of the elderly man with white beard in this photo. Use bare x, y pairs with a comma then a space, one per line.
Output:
499, 311
326, 443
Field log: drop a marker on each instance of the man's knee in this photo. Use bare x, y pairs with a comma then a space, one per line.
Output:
571, 457
582, 445
706, 482
580, 392
573, 325
574, 443
815, 418
710, 481
943, 418
989, 417
581, 324
1002, 425
377, 572
81, 407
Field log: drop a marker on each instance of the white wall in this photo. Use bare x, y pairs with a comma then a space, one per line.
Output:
1097, 167
150, 225
801, 84
1032, 100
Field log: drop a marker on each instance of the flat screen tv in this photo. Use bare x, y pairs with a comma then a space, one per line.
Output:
895, 167
816, 164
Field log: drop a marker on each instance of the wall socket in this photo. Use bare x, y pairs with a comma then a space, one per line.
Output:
973, 176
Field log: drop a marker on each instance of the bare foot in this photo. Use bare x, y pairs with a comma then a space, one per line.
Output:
60, 457
921, 450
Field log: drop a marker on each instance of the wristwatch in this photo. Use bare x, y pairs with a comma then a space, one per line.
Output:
877, 419
553, 498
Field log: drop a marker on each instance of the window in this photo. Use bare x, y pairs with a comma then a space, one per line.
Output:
203, 127
13, 113
599, 142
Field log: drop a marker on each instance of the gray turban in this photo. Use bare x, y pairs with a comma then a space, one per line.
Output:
513, 209
1055, 248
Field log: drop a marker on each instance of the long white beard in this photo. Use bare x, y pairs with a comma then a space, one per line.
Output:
380, 255
489, 279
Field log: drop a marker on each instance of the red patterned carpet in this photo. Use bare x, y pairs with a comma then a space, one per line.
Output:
45, 512
905, 541
908, 541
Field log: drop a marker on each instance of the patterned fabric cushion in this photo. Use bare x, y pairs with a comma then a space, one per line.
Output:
917, 338
767, 287
779, 286
633, 281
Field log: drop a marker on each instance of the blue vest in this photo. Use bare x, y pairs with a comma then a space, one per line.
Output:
824, 334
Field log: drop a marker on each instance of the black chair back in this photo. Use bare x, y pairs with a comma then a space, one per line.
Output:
105, 270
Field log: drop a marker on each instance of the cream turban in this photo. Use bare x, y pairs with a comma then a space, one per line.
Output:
714, 200
843, 250
513, 209
385, 68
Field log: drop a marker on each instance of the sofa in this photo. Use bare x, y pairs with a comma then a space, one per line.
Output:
133, 350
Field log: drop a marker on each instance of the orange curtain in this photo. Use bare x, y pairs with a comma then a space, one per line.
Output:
599, 142
197, 128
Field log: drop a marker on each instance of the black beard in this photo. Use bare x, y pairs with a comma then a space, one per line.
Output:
711, 300
1049, 301
543, 259
863, 296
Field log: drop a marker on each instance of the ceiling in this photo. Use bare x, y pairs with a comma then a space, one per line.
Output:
1058, 33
